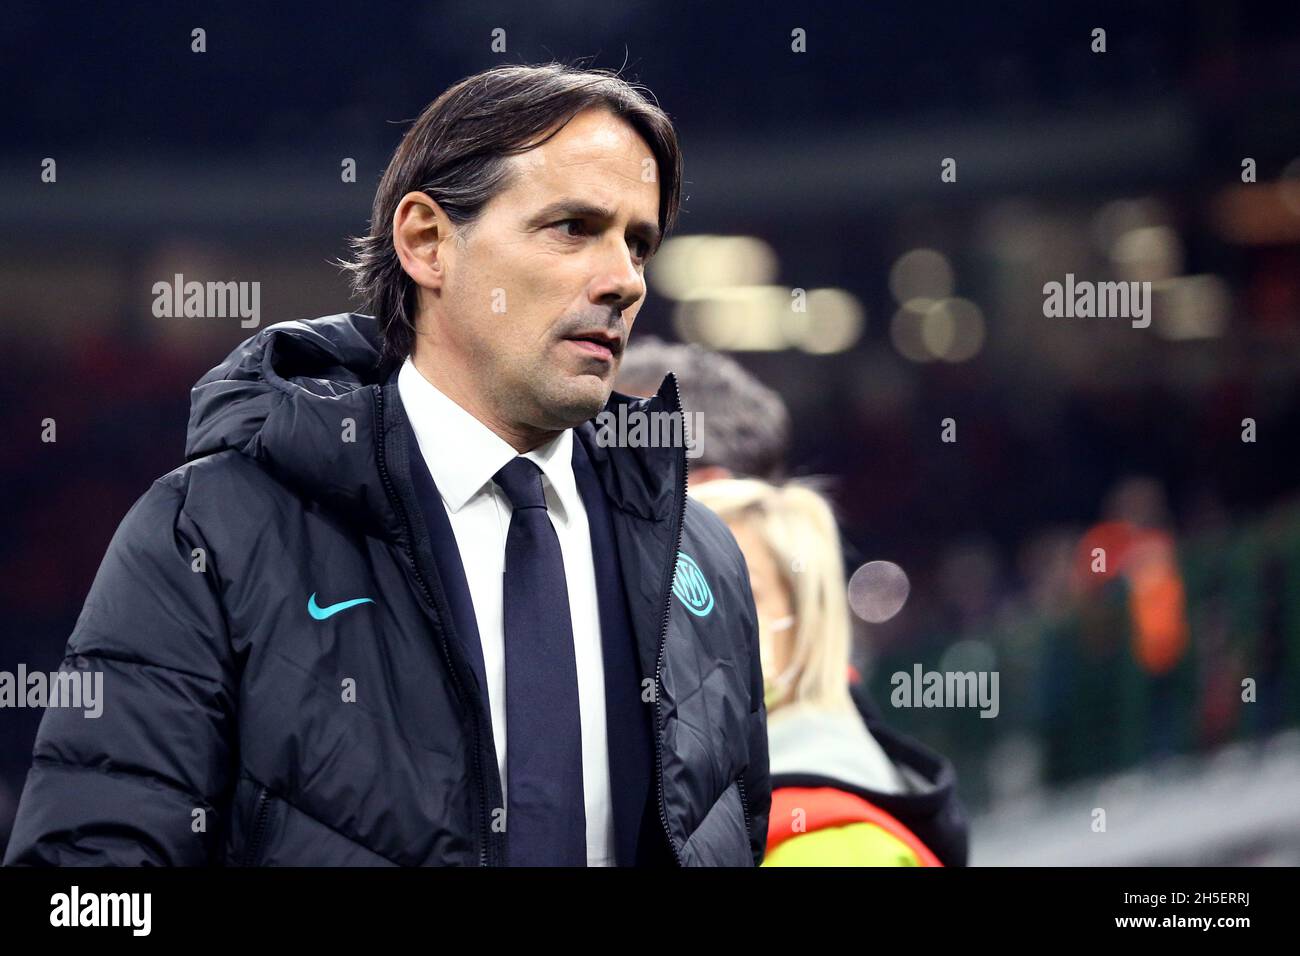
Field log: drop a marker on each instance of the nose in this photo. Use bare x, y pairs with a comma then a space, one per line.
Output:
617, 281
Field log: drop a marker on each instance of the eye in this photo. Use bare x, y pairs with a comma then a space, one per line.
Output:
642, 244
564, 222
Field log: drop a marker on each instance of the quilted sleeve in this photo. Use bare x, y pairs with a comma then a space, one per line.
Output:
147, 780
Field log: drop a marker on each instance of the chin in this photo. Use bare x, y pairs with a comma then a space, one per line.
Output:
581, 398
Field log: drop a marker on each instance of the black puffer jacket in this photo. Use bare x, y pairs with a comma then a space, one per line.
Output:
224, 736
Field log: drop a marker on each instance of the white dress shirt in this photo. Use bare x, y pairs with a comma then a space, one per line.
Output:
462, 455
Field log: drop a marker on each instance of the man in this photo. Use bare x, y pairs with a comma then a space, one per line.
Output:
401, 607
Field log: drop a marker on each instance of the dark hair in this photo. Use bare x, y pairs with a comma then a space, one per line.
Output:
457, 151
747, 425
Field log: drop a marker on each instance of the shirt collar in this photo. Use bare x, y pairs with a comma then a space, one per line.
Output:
440, 424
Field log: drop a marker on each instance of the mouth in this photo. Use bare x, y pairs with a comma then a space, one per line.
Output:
598, 345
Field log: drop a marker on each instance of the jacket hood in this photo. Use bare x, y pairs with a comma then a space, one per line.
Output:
831, 744
314, 402
856, 752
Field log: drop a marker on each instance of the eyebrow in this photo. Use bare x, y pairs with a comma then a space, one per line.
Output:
642, 228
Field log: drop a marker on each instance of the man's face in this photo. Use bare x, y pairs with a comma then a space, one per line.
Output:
558, 254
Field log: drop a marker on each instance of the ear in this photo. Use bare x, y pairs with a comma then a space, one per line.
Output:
419, 230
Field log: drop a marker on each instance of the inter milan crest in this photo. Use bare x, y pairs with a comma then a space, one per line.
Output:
690, 587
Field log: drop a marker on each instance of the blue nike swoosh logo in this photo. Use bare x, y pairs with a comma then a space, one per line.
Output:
320, 613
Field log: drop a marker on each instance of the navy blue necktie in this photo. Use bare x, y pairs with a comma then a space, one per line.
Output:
546, 822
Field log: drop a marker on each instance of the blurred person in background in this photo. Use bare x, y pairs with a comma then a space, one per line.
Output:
846, 790
1135, 540
746, 424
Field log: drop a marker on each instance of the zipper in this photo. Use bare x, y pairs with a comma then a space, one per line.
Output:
431, 601
744, 804
260, 817
663, 633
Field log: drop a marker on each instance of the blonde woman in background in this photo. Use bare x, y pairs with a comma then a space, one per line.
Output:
843, 793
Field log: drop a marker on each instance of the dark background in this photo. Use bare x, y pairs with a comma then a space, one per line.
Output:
225, 165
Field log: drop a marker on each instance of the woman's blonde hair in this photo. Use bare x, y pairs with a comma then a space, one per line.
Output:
798, 526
